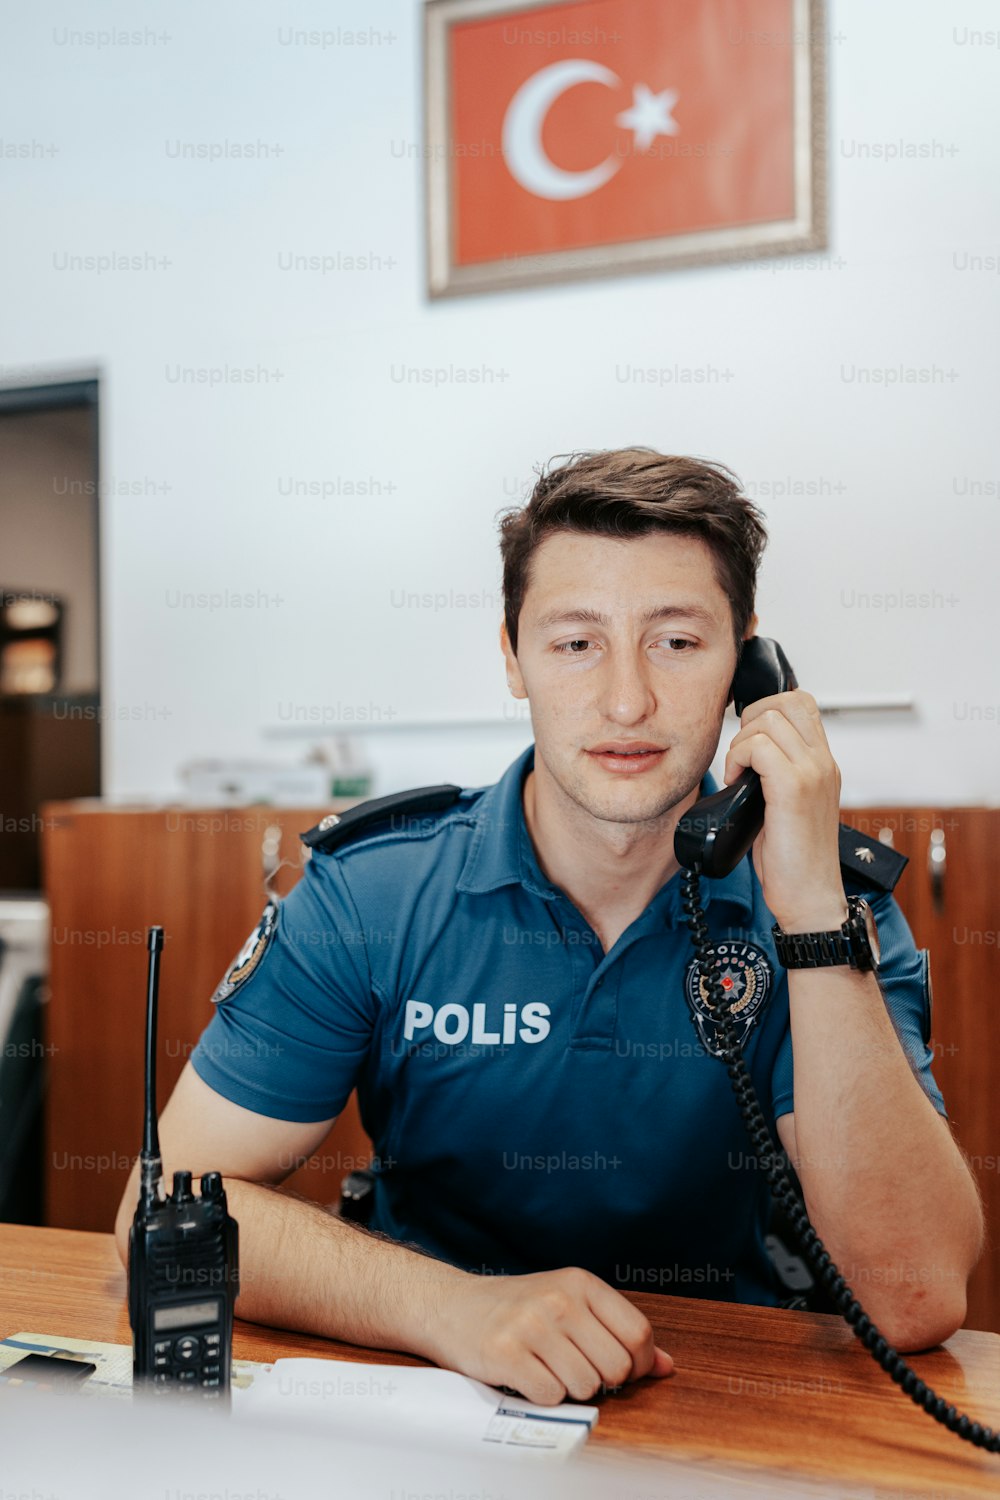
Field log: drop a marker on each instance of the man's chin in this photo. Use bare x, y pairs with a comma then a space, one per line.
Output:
629, 801
619, 798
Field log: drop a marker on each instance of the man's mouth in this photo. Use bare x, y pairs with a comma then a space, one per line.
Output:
629, 756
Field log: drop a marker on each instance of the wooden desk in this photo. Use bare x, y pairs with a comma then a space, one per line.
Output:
790, 1393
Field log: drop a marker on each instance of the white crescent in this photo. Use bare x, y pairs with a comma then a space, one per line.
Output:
522, 132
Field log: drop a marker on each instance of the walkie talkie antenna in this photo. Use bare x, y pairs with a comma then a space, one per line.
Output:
151, 1164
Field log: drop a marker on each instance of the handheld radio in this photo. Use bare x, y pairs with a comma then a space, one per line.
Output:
183, 1260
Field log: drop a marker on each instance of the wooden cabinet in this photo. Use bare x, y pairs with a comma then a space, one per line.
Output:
110, 873
956, 915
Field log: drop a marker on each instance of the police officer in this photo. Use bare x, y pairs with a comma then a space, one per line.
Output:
506, 977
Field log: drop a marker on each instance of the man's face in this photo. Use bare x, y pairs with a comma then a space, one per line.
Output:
628, 643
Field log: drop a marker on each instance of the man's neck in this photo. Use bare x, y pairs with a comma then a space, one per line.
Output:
610, 871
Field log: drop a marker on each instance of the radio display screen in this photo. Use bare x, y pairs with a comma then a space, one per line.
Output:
190, 1315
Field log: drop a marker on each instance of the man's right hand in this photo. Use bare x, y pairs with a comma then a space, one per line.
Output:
549, 1334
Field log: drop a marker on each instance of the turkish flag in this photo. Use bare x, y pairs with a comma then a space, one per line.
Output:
613, 120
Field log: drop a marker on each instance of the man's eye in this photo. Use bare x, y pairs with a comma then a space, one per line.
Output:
567, 648
676, 640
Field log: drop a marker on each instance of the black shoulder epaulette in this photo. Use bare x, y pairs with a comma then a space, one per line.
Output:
869, 862
337, 828
864, 859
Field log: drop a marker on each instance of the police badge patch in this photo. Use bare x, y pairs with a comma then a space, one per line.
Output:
249, 956
747, 976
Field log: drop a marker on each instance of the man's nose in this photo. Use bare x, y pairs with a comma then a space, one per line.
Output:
627, 696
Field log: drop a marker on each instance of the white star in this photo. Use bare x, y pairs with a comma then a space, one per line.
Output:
736, 982
649, 115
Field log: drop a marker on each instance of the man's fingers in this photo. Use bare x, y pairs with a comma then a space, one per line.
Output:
798, 707
770, 759
570, 1365
607, 1354
561, 1370
626, 1323
535, 1381
558, 1333
800, 751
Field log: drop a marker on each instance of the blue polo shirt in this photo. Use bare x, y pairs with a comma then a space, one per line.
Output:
534, 1102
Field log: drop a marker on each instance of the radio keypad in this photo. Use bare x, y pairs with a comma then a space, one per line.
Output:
188, 1362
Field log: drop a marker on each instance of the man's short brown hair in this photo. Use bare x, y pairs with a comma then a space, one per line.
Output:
631, 492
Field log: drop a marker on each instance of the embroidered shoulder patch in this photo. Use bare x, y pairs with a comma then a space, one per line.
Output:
747, 977
249, 956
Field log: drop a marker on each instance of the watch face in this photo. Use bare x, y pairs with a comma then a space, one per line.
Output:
868, 917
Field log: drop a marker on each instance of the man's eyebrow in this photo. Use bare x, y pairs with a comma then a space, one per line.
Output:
584, 616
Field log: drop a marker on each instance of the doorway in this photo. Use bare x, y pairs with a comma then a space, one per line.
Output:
50, 688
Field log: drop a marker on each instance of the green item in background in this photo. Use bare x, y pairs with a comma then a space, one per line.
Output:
350, 786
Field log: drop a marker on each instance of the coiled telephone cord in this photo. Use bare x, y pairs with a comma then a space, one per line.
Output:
815, 1251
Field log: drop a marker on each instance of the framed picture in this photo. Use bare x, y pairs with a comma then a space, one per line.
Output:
595, 137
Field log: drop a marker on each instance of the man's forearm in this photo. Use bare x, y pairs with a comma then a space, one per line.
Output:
885, 1184
303, 1268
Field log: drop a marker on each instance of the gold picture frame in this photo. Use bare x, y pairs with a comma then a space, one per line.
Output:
805, 230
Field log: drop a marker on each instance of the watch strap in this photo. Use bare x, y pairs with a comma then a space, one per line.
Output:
811, 950
847, 944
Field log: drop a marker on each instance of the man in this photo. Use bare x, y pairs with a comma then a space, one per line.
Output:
510, 983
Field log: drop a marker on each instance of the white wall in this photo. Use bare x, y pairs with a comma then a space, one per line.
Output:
901, 508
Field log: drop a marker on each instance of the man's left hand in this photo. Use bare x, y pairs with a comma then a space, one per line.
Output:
796, 854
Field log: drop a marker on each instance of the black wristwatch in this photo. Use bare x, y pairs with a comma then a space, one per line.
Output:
856, 943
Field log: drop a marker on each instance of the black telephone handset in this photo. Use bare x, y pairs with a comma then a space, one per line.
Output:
714, 835
711, 838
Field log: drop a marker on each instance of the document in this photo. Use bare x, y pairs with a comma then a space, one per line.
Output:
409, 1400
367, 1400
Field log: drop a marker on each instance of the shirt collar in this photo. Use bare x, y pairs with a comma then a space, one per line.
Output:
502, 852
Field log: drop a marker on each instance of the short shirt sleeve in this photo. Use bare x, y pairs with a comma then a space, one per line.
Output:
290, 1038
904, 976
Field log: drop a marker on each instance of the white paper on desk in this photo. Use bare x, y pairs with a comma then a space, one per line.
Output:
408, 1400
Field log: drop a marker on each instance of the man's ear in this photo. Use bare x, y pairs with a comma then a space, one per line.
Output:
514, 679
748, 634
